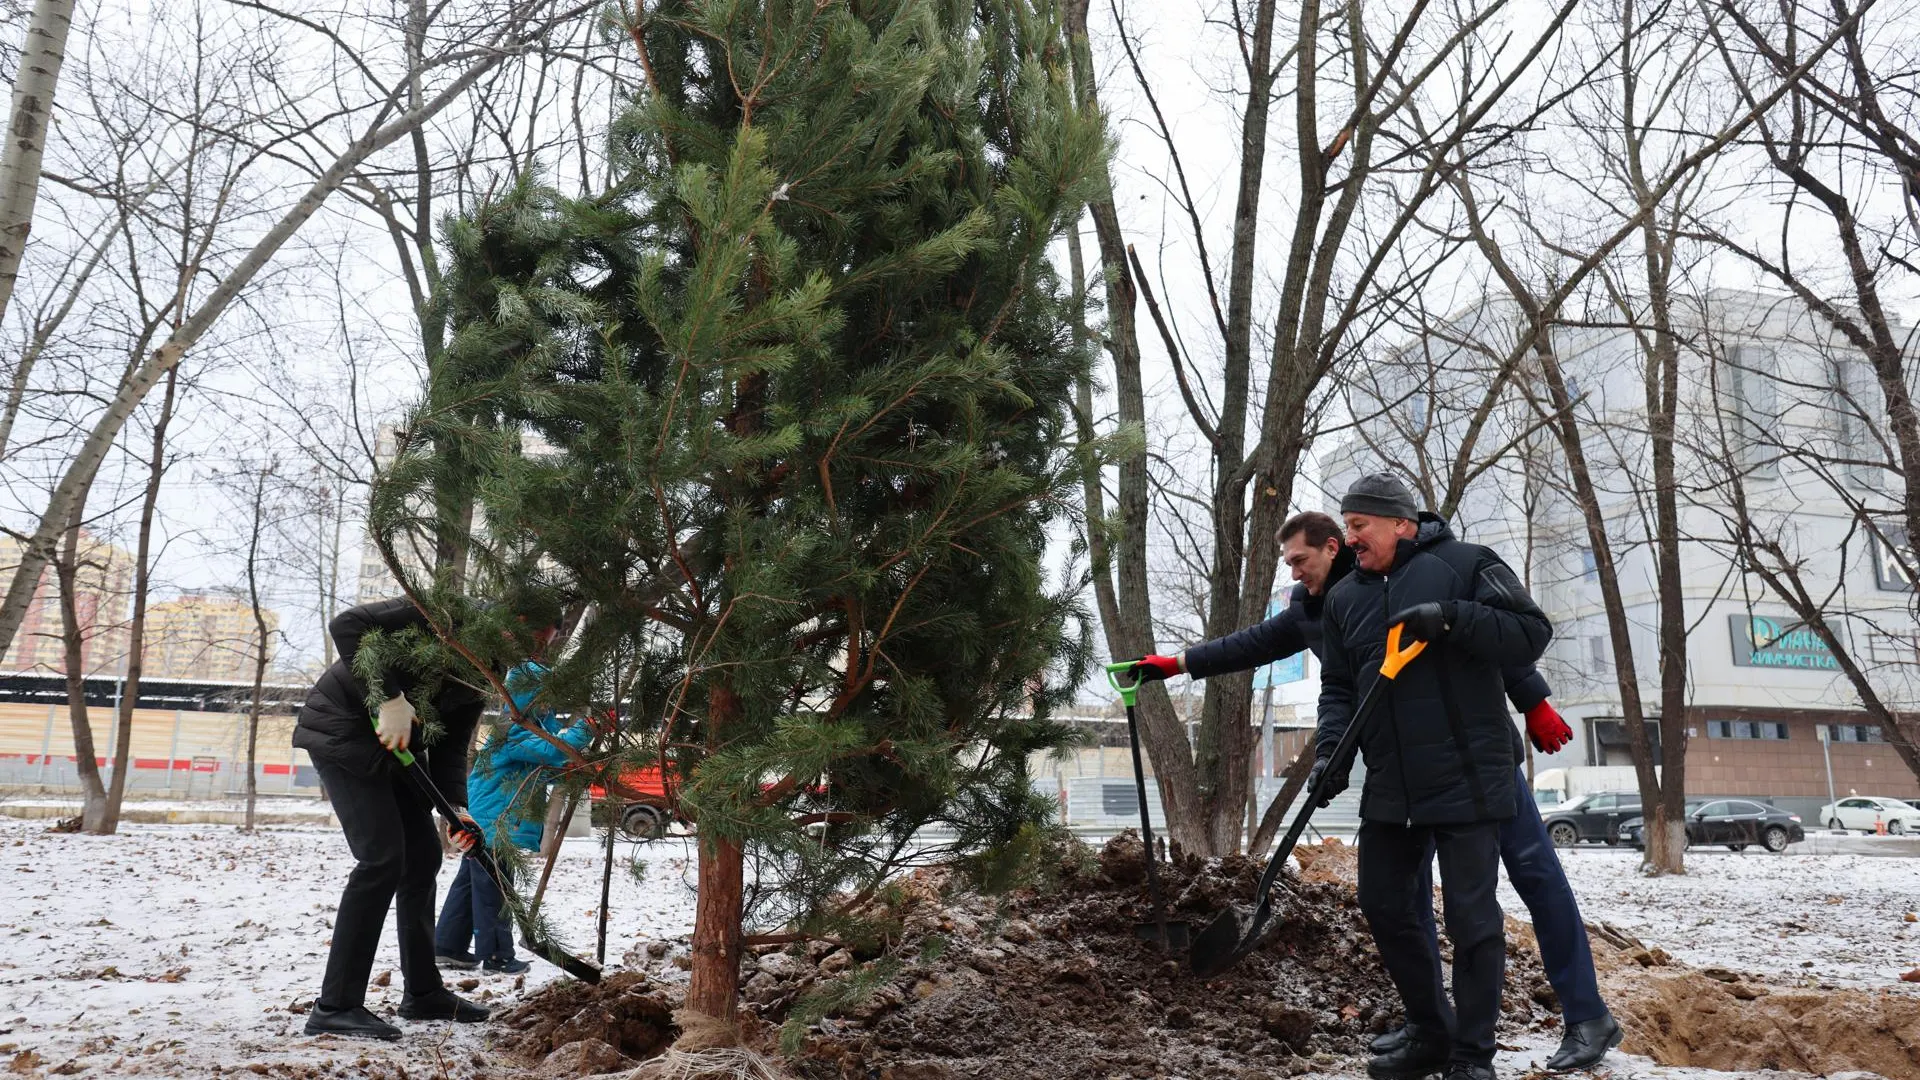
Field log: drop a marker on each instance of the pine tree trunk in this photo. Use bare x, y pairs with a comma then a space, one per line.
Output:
34, 83
137, 630
714, 987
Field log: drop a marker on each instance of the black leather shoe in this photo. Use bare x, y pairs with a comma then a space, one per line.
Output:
1388, 1041
1419, 1057
1585, 1044
1461, 1070
442, 1004
357, 1022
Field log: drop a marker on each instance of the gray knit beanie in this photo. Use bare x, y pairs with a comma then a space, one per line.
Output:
1382, 495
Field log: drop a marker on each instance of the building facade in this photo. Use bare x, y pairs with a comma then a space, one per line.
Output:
205, 636
1775, 441
103, 599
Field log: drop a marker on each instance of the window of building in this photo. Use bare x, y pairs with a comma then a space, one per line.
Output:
1754, 401
1745, 729
1851, 395
1599, 653
1856, 733
1589, 565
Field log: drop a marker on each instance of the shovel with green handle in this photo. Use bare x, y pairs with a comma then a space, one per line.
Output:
530, 936
1225, 942
1170, 935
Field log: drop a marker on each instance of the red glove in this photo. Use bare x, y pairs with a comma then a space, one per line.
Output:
1156, 667
1548, 732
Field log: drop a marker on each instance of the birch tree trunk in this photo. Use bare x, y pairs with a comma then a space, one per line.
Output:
33, 92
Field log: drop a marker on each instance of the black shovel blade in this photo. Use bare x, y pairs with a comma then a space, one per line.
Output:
1177, 937
562, 959
1218, 946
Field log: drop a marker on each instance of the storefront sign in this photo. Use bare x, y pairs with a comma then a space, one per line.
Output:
1889, 575
1764, 641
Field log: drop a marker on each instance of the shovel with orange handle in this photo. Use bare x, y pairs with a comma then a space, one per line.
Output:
1226, 941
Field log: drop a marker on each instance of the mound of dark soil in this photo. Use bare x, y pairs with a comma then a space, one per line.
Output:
1055, 983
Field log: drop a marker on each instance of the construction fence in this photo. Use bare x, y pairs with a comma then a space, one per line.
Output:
180, 753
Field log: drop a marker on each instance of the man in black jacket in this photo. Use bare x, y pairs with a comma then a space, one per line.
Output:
1312, 550
389, 826
1440, 760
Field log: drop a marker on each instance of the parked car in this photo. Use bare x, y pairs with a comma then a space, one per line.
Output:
1733, 822
1862, 811
1590, 818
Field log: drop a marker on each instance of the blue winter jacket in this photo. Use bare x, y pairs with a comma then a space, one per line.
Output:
513, 757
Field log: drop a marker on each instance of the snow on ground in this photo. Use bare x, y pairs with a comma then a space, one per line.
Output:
179, 951
1809, 920
175, 950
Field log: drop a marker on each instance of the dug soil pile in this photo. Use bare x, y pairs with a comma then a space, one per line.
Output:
1720, 1019
1054, 983
1051, 983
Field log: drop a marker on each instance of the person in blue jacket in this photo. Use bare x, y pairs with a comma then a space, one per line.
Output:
513, 758
1312, 549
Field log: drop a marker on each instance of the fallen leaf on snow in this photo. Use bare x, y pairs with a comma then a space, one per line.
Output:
1911, 976
24, 1062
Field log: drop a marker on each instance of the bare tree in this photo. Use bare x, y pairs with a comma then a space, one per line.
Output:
469, 44
1383, 110
1843, 149
34, 83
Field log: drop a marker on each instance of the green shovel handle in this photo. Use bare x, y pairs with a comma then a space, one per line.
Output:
1129, 691
404, 755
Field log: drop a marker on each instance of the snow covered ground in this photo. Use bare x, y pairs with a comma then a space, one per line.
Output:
182, 951
1813, 920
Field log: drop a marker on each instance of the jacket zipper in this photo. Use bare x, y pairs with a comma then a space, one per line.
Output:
1393, 717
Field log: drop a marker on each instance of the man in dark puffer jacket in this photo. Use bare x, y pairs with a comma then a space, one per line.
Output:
1440, 759
388, 826
1310, 546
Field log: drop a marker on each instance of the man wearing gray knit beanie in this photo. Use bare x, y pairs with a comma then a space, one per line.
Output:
1441, 760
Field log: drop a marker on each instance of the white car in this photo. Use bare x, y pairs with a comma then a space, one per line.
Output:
1862, 811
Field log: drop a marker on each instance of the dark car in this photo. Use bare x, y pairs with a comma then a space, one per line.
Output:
1591, 818
1733, 822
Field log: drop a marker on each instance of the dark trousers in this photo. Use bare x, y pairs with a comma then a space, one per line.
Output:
1534, 869
474, 912
1393, 896
396, 846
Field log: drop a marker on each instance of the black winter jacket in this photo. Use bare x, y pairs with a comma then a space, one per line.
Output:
1441, 749
335, 725
1298, 627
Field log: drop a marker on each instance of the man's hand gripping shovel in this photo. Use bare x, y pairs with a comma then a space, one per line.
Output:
1170, 935
530, 935
1226, 941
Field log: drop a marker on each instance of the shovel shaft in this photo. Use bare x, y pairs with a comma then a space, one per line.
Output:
1146, 825
560, 958
1213, 952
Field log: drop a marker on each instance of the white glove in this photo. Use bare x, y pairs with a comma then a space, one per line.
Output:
395, 724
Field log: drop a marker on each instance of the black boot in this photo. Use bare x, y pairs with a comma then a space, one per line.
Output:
1586, 1043
1419, 1057
442, 1004
1462, 1070
357, 1022
1388, 1041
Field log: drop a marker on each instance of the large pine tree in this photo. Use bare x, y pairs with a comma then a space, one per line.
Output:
801, 382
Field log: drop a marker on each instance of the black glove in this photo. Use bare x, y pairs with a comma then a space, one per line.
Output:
1430, 621
1335, 785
